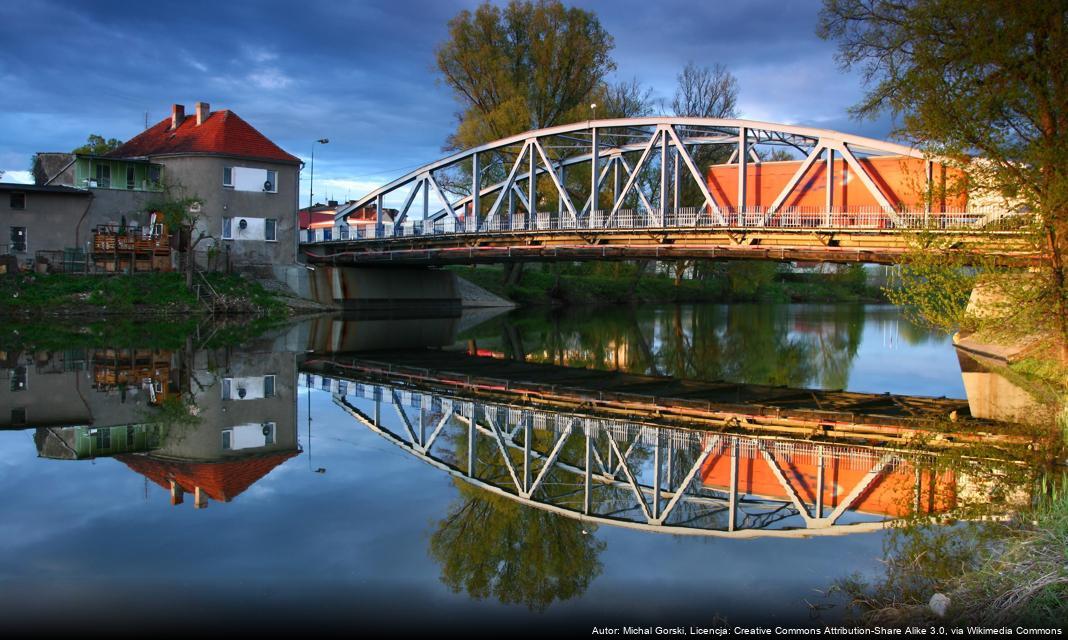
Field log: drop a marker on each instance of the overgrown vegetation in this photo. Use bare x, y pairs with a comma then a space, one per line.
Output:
993, 572
982, 87
29, 294
62, 334
621, 283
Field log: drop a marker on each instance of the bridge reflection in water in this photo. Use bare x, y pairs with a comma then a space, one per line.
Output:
660, 479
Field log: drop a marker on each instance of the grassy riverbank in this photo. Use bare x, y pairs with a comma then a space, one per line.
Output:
148, 294
620, 283
1001, 565
993, 573
128, 332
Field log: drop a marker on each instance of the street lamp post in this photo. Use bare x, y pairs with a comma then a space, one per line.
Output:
311, 188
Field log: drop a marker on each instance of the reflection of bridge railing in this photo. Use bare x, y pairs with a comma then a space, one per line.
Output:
620, 473
752, 218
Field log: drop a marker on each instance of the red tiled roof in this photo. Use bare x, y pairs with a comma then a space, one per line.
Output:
223, 132
222, 481
325, 217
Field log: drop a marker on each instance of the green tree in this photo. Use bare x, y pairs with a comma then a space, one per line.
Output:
182, 215
981, 78
97, 145
526, 66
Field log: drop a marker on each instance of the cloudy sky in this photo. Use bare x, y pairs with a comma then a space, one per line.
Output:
362, 73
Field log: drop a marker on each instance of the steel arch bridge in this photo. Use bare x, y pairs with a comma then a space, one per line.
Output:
634, 188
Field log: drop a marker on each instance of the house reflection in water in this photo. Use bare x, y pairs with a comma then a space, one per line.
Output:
211, 423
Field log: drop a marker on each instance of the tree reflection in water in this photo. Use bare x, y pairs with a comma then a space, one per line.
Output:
793, 345
490, 546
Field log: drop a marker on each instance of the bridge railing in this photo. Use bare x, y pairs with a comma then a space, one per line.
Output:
750, 218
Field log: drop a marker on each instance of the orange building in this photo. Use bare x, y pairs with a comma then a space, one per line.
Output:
892, 494
900, 178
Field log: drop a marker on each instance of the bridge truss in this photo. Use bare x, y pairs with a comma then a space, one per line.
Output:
507, 185
619, 473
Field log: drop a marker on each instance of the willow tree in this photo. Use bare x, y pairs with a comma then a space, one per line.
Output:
979, 79
526, 66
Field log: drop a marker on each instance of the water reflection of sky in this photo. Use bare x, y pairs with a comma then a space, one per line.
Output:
356, 534
93, 541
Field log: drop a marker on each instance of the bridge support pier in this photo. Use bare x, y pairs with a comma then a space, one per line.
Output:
990, 394
368, 288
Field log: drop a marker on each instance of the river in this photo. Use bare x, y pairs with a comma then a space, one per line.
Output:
276, 496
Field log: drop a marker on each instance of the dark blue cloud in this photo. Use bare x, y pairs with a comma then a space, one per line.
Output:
361, 73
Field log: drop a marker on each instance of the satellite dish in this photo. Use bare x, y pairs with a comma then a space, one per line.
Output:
243, 224
241, 392
267, 186
266, 429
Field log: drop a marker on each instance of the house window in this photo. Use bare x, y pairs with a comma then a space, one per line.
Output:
268, 386
103, 438
228, 176
328, 233
227, 439
18, 200
129, 177
227, 388
103, 176
154, 174
228, 229
270, 229
272, 177
18, 379
18, 239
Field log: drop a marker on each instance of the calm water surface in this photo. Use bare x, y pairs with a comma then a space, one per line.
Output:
311, 518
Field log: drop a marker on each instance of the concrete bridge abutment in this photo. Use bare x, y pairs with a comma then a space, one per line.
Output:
368, 288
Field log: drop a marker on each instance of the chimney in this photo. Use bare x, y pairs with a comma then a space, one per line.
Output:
200, 499
203, 111
331, 203
177, 115
177, 493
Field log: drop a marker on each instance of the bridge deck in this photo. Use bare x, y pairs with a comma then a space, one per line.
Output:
799, 412
877, 246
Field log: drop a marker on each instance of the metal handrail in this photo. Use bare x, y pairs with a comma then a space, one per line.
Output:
749, 218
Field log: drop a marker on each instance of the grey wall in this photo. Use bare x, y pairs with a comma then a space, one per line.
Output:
58, 393
51, 220
203, 441
202, 177
111, 205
